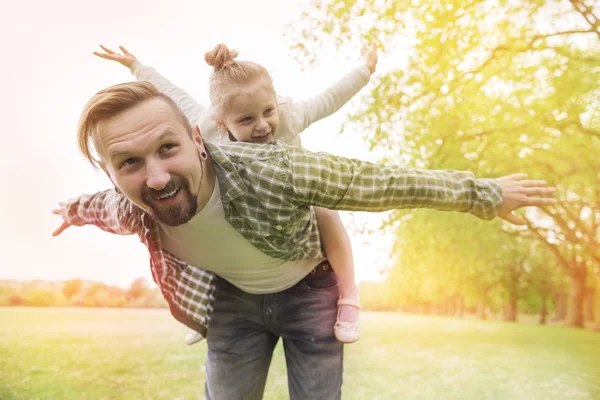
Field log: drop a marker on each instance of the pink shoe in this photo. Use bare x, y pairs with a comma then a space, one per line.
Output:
193, 337
347, 332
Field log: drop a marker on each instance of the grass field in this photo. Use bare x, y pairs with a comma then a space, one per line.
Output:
140, 354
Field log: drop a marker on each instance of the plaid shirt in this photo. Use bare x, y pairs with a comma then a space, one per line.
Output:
267, 193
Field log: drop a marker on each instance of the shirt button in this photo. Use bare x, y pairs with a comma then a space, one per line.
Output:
279, 227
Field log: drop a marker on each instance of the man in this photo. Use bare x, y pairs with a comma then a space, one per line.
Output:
176, 192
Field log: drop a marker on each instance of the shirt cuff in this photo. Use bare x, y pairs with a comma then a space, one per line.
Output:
135, 67
488, 199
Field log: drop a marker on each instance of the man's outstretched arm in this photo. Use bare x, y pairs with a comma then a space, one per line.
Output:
108, 210
339, 183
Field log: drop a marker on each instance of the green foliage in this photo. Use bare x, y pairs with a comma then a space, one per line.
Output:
71, 288
40, 297
494, 87
76, 292
137, 289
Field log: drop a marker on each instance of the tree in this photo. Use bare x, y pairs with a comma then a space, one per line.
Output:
137, 290
71, 288
40, 297
491, 86
16, 300
96, 296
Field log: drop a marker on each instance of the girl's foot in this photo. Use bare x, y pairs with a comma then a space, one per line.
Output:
347, 326
193, 337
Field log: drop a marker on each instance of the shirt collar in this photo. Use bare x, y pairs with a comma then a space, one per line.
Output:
230, 183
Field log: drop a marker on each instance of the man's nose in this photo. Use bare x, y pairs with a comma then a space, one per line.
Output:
157, 177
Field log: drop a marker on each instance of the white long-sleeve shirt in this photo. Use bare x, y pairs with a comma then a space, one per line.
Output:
294, 117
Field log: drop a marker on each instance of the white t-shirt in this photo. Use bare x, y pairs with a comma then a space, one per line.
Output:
206, 241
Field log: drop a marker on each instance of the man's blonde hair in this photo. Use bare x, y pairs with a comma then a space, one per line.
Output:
112, 101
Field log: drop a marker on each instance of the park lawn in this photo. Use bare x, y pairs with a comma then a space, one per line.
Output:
140, 354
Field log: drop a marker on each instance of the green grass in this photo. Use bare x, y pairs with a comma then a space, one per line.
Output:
140, 354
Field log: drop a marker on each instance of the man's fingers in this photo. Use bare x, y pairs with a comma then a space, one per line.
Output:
517, 177
539, 191
124, 50
538, 201
534, 183
57, 211
513, 219
61, 228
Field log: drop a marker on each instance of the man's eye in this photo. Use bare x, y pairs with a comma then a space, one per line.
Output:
130, 161
167, 147
268, 111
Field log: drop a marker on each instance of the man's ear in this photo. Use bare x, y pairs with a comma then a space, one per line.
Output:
199, 143
198, 135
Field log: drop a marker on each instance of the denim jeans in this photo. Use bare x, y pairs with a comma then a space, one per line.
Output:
245, 328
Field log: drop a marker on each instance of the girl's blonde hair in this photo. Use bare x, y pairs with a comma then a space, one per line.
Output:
229, 75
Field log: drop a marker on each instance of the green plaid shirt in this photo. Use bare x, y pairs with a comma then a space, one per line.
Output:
267, 193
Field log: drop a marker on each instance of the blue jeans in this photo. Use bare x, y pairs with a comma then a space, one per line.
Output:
245, 328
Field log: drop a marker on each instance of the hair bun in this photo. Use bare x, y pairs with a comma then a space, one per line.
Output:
220, 56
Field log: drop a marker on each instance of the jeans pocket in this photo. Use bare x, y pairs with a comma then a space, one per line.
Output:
320, 281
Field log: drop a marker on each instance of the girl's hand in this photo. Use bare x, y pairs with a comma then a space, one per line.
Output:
126, 59
369, 56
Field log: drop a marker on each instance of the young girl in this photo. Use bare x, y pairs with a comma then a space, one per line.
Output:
246, 108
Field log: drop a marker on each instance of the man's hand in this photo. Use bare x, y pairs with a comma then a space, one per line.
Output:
126, 59
519, 192
369, 56
62, 211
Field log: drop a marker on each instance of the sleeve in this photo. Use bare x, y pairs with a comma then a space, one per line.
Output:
190, 107
338, 183
306, 112
108, 210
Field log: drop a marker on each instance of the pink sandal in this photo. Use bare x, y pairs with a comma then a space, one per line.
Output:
347, 332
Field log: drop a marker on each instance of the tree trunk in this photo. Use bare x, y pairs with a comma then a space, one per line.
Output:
560, 307
589, 305
597, 322
481, 314
511, 310
449, 307
577, 295
460, 306
544, 310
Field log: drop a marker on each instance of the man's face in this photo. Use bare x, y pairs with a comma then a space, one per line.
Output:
151, 158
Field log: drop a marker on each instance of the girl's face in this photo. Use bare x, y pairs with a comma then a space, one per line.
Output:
252, 113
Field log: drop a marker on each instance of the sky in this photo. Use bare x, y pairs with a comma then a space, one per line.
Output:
47, 75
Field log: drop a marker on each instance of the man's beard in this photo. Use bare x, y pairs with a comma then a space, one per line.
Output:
175, 214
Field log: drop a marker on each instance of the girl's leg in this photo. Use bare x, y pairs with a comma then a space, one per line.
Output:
339, 253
